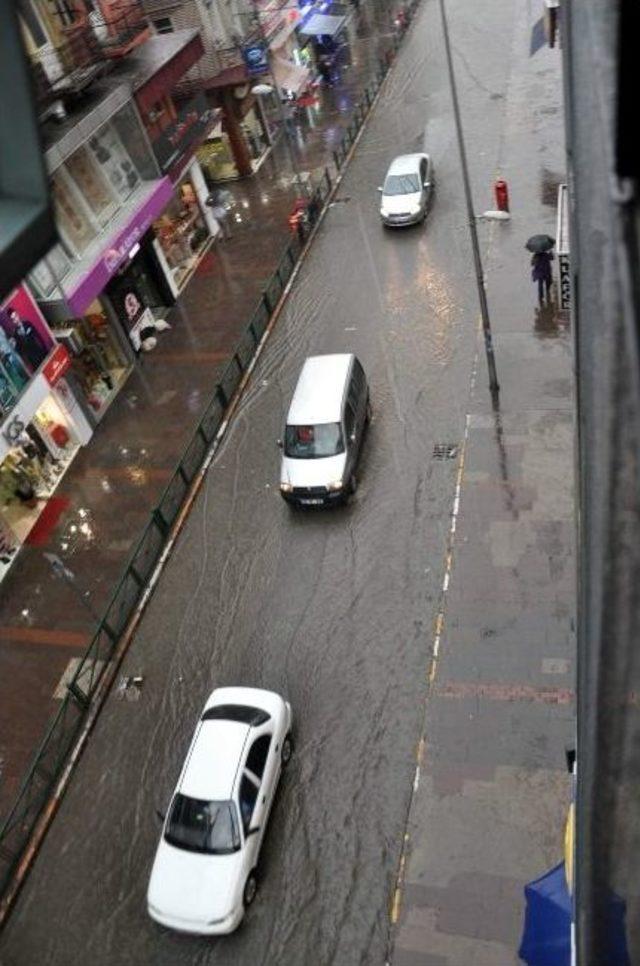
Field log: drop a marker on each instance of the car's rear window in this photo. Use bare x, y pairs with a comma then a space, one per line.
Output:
200, 826
237, 712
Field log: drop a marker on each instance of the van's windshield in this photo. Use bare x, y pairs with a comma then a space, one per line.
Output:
313, 442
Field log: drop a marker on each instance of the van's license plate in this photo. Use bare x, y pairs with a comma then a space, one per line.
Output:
314, 502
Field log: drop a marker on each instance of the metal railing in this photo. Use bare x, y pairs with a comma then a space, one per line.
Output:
53, 752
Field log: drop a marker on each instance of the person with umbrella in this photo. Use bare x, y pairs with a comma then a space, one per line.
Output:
540, 246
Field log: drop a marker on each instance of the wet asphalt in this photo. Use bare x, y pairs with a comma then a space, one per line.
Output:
332, 609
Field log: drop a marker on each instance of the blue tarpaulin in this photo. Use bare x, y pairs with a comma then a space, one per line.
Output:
546, 938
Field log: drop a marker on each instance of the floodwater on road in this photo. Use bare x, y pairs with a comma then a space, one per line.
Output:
332, 609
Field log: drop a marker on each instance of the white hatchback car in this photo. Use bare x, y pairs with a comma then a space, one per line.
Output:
204, 872
407, 190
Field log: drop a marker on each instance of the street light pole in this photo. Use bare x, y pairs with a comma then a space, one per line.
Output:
482, 295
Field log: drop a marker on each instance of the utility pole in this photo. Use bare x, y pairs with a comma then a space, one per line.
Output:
482, 295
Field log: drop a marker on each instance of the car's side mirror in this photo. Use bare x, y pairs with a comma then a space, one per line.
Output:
279, 443
160, 815
252, 831
427, 184
380, 190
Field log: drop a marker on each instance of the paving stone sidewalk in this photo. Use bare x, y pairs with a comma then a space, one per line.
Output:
489, 810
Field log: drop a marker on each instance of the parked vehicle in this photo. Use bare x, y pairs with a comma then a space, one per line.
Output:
324, 431
407, 190
204, 873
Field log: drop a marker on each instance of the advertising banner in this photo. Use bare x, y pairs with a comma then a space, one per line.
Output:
25, 344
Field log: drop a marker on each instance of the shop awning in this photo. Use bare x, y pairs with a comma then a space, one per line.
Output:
289, 76
320, 24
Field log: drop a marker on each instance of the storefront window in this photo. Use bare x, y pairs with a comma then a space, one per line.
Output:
132, 137
216, 156
45, 276
182, 232
114, 161
98, 361
73, 223
91, 182
254, 132
30, 472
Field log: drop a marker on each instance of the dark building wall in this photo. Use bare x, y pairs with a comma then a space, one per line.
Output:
604, 254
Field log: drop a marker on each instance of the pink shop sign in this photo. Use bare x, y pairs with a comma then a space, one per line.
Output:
93, 282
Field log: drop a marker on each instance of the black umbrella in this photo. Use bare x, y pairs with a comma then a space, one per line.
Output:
540, 243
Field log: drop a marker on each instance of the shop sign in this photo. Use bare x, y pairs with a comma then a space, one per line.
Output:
56, 365
256, 59
190, 126
94, 281
136, 318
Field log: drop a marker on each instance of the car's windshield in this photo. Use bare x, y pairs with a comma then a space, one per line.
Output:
313, 442
402, 184
201, 826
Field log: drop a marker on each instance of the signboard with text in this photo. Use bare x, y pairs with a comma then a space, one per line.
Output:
256, 59
190, 126
56, 365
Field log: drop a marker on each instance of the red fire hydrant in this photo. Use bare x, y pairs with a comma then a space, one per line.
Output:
502, 195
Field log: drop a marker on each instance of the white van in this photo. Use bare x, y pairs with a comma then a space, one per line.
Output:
324, 431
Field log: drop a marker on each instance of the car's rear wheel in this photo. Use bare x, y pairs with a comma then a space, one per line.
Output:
287, 751
250, 889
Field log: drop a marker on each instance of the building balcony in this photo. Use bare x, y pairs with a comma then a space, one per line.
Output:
66, 70
120, 26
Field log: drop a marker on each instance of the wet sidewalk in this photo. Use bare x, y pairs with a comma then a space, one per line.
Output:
114, 483
492, 791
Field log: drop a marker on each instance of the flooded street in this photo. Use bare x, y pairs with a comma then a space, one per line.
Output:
334, 610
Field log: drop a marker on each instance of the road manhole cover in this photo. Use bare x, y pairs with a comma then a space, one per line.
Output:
445, 451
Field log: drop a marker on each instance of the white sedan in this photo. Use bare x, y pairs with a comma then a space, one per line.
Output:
204, 872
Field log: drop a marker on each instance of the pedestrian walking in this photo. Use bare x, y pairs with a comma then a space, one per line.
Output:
324, 66
542, 274
220, 210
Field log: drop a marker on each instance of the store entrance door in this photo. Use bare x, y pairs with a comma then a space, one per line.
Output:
141, 273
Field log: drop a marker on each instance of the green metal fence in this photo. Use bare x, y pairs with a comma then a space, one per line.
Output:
52, 755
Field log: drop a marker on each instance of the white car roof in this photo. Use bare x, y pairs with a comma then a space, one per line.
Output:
212, 767
405, 164
320, 390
